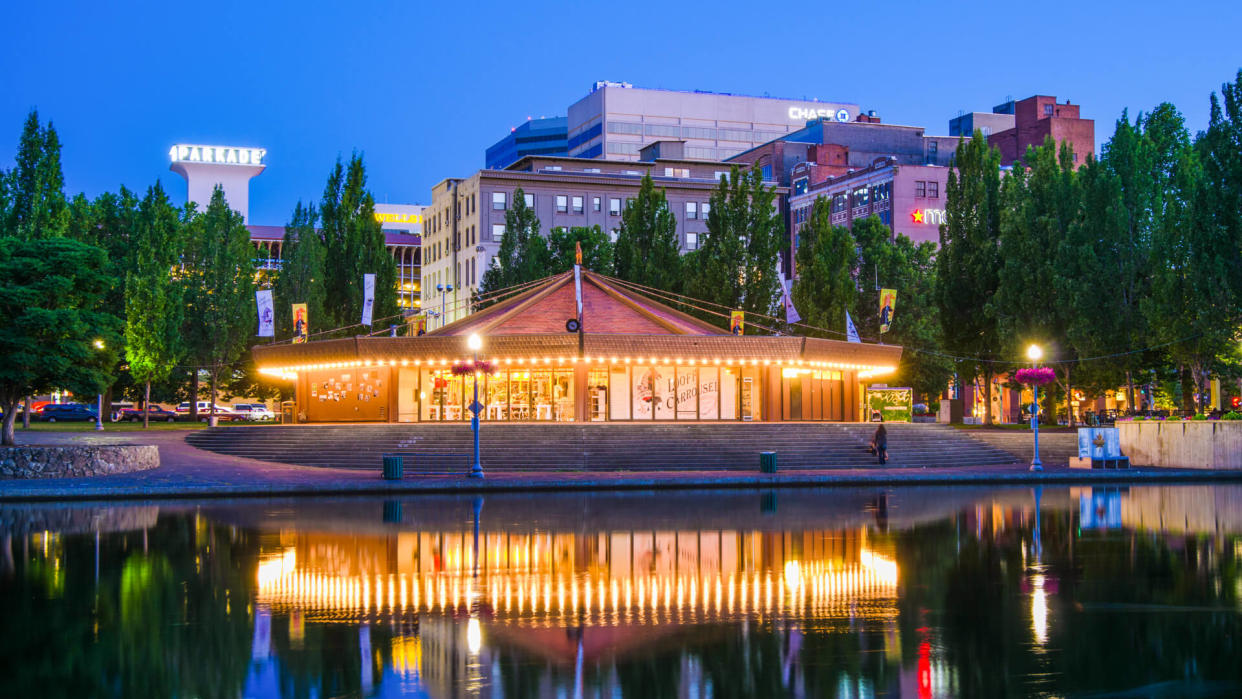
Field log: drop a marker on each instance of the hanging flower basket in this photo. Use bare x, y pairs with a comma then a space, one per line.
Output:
467, 368
1036, 377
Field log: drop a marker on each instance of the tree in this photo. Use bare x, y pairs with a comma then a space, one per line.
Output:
523, 255
354, 245
302, 273
736, 266
50, 325
647, 252
909, 268
826, 259
968, 261
1039, 200
36, 200
153, 302
597, 249
219, 286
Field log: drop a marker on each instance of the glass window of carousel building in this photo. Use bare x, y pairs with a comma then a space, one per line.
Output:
636, 360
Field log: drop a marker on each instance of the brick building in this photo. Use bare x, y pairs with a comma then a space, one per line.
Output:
1016, 125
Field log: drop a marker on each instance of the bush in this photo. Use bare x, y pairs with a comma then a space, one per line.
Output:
1199, 416
1231, 415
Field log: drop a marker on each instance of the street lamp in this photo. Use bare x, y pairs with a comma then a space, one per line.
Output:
1035, 353
475, 343
99, 345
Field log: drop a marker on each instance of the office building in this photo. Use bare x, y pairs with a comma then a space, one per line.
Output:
616, 120
465, 221
543, 136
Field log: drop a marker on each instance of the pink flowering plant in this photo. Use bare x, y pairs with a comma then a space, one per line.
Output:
1035, 377
467, 368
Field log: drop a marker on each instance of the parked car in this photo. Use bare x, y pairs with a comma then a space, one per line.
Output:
65, 412
156, 414
253, 411
223, 414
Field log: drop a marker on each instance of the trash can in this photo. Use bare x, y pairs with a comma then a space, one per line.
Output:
767, 462
286, 412
394, 466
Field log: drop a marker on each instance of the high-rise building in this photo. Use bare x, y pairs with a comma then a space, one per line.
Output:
616, 120
543, 136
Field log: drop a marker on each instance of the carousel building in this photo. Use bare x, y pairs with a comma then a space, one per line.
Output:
545, 356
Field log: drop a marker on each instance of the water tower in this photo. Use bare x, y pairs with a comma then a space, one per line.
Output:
231, 167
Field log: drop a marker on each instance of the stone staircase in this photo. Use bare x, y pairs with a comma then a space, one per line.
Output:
601, 447
1055, 448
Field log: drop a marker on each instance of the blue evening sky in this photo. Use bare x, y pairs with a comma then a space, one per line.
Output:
422, 88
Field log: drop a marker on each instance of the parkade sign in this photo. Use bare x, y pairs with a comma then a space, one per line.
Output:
809, 113
217, 155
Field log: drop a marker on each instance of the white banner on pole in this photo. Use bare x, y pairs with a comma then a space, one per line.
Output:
851, 332
267, 317
791, 313
368, 297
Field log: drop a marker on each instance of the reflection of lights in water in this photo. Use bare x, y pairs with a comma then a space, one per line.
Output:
1039, 609
474, 635
407, 654
793, 575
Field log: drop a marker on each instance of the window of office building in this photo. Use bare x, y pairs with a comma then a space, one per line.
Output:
676, 172
692, 241
596, 204
838, 203
623, 148
664, 131
625, 127
734, 135
498, 231
767, 173
499, 201
614, 234
1047, 110
933, 189
707, 209
614, 207
860, 197
800, 186
529, 199
692, 209
700, 153
562, 203
577, 203
920, 188
720, 174
697, 132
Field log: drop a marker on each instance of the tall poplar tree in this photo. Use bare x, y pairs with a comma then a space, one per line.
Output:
302, 273
36, 207
968, 263
737, 263
153, 304
218, 278
523, 255
596, 249
354, 245
826, 259
647, 252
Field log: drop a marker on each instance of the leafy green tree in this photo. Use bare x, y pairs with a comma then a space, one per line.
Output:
153, 304
302, 273
736, 266
523, 255
219, 287
826, 260
968, 262
50, 293
36, 206
597, 249
909, 268
647, 252
354, 245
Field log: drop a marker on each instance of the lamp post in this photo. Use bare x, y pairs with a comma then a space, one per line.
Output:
475, 343
99, 345
1035, 353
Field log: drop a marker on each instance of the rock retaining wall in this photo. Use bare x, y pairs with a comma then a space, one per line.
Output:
1209, 444
75, 461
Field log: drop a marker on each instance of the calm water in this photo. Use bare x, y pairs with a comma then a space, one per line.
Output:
924, 592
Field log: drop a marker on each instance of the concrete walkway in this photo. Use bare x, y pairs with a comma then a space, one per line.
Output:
187, 472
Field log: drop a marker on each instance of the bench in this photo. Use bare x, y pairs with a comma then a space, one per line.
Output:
417, 458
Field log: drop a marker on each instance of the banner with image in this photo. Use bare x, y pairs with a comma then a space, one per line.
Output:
888, 302
267, 318
368, 297
737, 322
300, 322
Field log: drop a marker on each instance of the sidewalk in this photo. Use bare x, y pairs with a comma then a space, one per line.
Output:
187, 472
